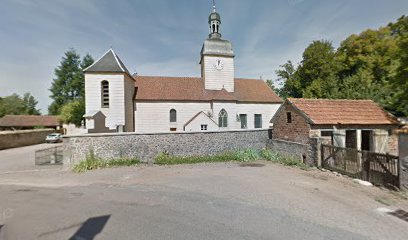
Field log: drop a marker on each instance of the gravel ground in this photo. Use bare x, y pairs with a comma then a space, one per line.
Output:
203, 201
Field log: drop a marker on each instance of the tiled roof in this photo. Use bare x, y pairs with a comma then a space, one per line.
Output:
346, 112
29, 121
192, 89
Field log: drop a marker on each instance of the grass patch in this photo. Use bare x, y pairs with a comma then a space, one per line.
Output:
247, 155
166, 159
93, 162
383, 200
400, 194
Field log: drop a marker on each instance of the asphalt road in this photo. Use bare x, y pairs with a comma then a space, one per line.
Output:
214, 201
21, 159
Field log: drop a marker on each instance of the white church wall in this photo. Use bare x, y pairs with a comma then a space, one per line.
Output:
115, 114
151, 117
250, 109
202, 119
217, 79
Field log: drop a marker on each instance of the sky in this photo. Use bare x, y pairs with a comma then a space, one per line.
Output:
164, 37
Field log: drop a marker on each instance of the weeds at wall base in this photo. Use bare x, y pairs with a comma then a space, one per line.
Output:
92, 162
247, 155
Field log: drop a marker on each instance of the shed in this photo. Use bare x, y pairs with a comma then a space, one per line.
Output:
358, 124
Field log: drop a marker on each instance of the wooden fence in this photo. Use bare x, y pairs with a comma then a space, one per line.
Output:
379, 169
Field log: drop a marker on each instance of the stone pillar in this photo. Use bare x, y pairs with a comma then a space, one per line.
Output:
359, 139
315, 153
403, 157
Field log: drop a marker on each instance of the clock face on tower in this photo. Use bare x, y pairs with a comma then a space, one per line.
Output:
219, 64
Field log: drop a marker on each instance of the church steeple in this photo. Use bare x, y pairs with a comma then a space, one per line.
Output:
217, 58
215, 23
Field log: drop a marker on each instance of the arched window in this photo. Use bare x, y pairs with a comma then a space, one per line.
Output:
105, 94
213, 28
223, 118
218, 28
173, 115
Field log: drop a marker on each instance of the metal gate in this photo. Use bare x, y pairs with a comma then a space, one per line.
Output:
49, 156
379, 169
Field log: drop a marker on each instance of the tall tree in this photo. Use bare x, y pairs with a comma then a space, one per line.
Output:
69, 82
315, 76
30, 104
370, 65
400, 83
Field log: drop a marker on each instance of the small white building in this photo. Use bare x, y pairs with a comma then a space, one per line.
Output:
117, 101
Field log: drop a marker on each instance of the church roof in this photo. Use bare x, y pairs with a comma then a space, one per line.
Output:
109, 62
193, 89
214, 16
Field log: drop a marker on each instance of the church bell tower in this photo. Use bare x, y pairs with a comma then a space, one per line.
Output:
217, 57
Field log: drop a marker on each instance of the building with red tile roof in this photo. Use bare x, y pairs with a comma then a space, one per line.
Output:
21, 122
359, 124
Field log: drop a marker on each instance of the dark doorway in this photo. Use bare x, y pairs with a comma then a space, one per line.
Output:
351, 139
366, 140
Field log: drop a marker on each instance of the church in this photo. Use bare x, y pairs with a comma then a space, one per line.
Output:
117, 101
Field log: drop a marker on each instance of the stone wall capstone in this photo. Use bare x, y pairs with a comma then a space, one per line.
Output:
147, 146
21, 138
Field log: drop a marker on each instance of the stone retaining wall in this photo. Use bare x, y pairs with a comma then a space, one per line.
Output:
13, 139
147, 146
307, 153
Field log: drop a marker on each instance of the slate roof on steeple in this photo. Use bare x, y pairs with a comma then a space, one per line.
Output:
109, 62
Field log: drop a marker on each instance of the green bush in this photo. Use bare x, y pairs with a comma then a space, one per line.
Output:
247, 155
93, 162
270, 155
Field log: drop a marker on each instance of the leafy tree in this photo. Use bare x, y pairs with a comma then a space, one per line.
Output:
317, 71
370, 65
69, 82
17, 105
72, 112
287, 80
400, 83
